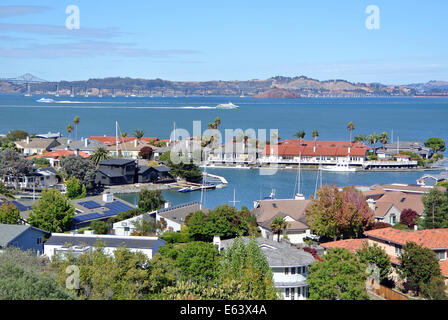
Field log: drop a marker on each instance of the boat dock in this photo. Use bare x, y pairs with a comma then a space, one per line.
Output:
222, 179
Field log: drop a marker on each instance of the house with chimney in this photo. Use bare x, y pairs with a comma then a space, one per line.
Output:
84, 145
31, 146
55, 157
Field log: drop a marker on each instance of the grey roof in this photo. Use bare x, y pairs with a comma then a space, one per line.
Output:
116, 162
110, 173
279, 254
92, 145
9, 232
109, 241
180, 212
49, 135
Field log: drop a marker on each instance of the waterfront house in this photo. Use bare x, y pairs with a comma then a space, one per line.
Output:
98, 208
116, 172
393, 240
130, 149
289, 266
235, 152
61, 243
388, 205
156, 174
432, 179
23, 237
388, 150
84, 146
315, 153
109, 141
293, 213
54, 157
30, 146
39, 179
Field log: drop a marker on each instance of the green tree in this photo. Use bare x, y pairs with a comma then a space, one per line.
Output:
315, 135
373, 139
375, 255
69, 129
435, 289
247, 265
417, 265
16, 135
80, 168
435, 214
41, 162
100, 227
99, 155
53, 212
224, 221
76, 121
22, 277
4, 191
278, 225
15, 165
361, 138
139, 134
9, 214
75, 190
350, 128
339, 276
188, 171
384, 138
300, 134
435, 143
145, 226
150, 200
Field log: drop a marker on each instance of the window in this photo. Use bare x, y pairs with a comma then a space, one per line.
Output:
397, 250
441, 255
292, 293
38, 240
293, 270
286, 271
393, 219
287, 292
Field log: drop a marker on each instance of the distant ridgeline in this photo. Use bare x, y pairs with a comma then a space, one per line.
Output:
276, 87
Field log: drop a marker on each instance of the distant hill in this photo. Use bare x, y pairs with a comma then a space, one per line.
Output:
274, 86
277, 93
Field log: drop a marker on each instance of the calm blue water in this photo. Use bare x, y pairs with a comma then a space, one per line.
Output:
409, 118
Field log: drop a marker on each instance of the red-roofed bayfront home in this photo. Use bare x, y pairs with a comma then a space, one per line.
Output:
315, 152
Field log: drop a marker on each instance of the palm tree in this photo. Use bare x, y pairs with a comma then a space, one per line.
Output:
124, 134
69, 129
361, 138
4, 191
315, 134
384, 138
76, 121
373, 139
278, 225
139, 134
350, 127
217, 123
300, 134
99, 155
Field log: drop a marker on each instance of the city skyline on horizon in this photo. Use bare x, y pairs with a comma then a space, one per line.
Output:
200, 41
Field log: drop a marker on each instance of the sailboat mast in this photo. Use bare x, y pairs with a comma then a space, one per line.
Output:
116, 137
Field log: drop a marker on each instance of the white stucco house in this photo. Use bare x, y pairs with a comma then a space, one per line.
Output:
60, 243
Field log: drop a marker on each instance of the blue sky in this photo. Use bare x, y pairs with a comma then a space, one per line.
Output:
226, 40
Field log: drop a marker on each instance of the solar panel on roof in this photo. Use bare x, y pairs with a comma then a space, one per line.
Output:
90, 204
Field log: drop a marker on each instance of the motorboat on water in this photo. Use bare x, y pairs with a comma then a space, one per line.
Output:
339, 167
45, 100
229, 105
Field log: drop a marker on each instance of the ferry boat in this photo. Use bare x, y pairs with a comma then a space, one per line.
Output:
229, 105
339, 167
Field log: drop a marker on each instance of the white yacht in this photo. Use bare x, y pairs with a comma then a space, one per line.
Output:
229, 105
339, 167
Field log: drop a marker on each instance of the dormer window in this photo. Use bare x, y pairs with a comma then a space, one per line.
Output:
441, 255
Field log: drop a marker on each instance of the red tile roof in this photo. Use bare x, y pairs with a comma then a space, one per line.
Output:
323, 148
112, 140
429, 238
352, 245
59, 154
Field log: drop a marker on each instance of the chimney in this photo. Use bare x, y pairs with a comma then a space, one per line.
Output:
77, 152
108, 197
27, 139
167, 204
314, 148
349, 150
217, 241
86, 142
371, 203
135, 143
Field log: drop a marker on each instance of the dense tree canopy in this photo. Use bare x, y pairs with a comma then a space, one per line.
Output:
82, 169
75, 189
376, 255
335, 214
435, 214
339, 276
53, 212
15, 165
150, 200
9, 214
436, 143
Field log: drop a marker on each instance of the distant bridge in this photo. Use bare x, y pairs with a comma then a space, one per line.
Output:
24, 79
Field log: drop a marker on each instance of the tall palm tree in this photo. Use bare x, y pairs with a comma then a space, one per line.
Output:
373, 139
124, 134
99, 155
361, 138
139, 134
384, 138
76, 121
4, 191
315, 134
217, 123
278, 225
350, 127
300, 134
69, 129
